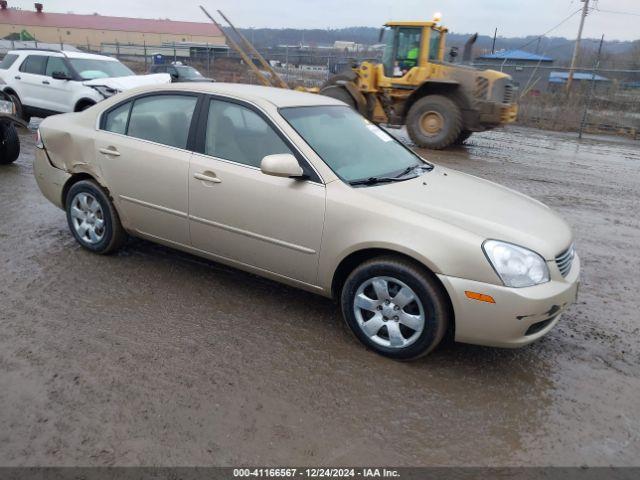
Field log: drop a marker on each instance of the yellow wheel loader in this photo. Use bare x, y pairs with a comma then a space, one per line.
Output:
441, 103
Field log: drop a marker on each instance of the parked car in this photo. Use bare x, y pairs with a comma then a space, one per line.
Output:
180, 73
9, 122
47, 82
301, 189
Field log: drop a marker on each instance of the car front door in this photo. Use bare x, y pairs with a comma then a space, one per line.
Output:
236, 212
142, 149
59, 92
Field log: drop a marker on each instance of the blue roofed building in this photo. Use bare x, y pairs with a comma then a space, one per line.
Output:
515, 56
580, 79
528, 70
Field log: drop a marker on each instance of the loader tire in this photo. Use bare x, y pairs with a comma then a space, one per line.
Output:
339, 93
434, 122
347, 75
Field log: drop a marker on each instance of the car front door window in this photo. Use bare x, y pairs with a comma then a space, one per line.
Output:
58, 65
240, 135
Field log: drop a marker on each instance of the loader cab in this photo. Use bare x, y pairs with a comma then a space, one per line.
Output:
411, 44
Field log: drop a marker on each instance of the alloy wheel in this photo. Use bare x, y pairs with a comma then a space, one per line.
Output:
389, 312
87, 218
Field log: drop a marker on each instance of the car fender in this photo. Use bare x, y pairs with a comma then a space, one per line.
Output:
357, 221
83, 92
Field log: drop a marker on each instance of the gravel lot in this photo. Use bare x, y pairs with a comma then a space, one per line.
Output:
155, 357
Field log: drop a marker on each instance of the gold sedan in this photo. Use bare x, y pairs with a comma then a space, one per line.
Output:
301, 189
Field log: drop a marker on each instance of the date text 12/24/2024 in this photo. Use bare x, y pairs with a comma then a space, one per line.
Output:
315, 473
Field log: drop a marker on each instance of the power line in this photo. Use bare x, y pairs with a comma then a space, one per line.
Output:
551, 29
617, 12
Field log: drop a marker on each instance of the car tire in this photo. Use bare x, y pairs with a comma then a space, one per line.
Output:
434, 122
405, 319
9, 144
83, 106
92, 218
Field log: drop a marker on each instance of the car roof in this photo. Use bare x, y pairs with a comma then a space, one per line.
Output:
68, 54
278, 97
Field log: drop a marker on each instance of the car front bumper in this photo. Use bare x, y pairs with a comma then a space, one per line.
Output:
518, 317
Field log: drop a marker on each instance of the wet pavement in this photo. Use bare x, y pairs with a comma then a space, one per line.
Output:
155, 357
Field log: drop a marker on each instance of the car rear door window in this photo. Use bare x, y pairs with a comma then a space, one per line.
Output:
162, 119
238, 134
57, 64
116, 119
7, 61
35, 64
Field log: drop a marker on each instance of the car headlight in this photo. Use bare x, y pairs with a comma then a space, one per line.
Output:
106, 92
516, 266
7, 107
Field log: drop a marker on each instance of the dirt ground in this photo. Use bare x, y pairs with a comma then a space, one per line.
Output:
155, 357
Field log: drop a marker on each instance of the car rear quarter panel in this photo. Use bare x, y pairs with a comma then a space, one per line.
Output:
69, 139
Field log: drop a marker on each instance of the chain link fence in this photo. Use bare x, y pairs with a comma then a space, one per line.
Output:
600, 101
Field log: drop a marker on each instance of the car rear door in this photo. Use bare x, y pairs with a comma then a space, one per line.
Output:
33, 83
142, 149
236, 212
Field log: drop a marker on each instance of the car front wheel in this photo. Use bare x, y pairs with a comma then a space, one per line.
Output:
395, 308
92, 219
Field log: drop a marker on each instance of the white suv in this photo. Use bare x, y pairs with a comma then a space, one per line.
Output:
46, 82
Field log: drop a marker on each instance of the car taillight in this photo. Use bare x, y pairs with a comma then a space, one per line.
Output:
39, 143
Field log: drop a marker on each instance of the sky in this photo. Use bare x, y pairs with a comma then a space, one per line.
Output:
511, 17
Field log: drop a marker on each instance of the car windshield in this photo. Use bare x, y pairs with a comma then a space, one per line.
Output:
89, 68
354, 148
189, 72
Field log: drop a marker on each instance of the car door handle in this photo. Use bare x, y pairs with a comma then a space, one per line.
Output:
206, 178
17, 77
45, 82
110, 151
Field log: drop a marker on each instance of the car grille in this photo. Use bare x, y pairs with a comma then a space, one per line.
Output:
482, 88
565, 260
508, 94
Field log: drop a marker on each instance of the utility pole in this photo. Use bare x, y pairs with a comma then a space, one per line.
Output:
493, 45
585, 11
593, 87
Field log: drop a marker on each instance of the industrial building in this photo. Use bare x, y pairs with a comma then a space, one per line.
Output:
526, 68
96, 30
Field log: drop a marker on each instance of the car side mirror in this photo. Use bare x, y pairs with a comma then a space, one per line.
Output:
60, 76
281, 165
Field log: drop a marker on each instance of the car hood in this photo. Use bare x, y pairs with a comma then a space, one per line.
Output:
132, 81
480, 207
197, 80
